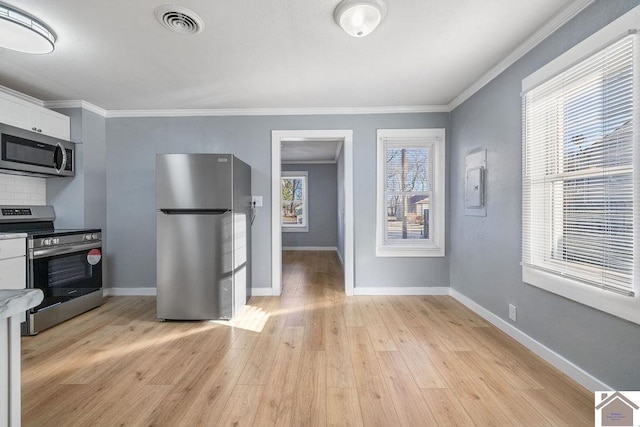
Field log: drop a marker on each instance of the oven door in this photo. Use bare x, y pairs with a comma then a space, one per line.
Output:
65, 273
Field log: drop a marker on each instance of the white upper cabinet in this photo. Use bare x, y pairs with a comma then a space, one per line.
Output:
14, 111
23, 114
50, 123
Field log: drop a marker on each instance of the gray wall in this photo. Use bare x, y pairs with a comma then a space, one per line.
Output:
485, 252
133, 142
67, 194
322, 189
80, 201
95, 173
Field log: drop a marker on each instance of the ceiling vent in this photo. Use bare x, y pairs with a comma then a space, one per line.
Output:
178, 19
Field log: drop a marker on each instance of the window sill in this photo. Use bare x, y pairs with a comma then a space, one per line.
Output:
399, 251
625, 307
295, 229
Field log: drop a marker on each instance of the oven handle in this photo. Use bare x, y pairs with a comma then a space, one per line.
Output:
61, 250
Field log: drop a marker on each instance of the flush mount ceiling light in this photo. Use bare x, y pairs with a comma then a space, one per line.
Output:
178, 19
359, 17
24, 33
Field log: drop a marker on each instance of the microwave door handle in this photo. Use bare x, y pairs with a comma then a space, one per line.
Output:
63, 164
62, 250
64, 158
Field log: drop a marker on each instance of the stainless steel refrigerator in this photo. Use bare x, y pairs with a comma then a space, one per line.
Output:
203, 236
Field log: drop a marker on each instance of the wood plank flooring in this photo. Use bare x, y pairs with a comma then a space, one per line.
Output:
311, 357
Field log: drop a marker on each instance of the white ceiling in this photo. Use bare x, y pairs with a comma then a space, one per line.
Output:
268, 54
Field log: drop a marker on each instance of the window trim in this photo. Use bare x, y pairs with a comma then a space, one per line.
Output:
295, 228
623, 306
436, 245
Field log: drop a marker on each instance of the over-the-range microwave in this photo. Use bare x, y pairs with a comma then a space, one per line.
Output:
26, 153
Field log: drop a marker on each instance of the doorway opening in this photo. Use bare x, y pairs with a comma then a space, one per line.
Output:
305, 149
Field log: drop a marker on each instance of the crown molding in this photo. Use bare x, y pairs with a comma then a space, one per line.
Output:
278, 111
549, 28
77, 104
21, 96
558, 21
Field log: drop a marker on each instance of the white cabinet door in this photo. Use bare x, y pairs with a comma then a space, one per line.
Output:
15, 112
13, 273
13, 266
12, 248
13, 270
51, 123
25, 115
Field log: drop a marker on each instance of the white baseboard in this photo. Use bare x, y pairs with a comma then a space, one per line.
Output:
130, 292
127, 292
578, 374
565, 366
310, 248
436, 290
261, 292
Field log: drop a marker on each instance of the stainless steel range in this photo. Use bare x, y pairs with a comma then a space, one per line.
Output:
65, 264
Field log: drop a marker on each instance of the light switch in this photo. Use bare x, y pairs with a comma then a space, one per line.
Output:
257, 201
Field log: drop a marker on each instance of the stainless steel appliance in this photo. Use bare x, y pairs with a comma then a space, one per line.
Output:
25, 153
65, 264
203, 236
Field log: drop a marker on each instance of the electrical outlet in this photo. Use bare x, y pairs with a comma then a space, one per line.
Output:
257, 201
512, 312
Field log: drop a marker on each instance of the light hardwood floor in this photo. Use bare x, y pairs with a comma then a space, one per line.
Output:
310, 357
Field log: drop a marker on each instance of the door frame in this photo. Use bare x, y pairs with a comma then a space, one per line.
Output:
276, 230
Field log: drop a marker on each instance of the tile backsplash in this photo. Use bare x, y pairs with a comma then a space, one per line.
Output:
22, 190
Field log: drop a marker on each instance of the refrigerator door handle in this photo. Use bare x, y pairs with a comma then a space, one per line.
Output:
194, 211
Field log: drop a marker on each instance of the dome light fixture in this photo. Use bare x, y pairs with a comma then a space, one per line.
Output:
24, 33
360, 17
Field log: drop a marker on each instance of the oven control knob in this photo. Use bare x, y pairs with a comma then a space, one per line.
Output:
87, 237
94, 236
46, 242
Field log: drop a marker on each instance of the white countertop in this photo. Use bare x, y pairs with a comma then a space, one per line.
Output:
4, 236
14, 301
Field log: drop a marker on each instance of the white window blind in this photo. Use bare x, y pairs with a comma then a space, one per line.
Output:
578, 171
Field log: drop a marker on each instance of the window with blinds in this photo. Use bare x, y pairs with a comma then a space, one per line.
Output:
407, 190
578, 171
410, 192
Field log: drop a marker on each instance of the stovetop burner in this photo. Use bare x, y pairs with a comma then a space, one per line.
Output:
37, 222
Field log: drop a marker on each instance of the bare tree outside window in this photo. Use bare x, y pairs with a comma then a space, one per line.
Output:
407, 190
410, 193
293, 197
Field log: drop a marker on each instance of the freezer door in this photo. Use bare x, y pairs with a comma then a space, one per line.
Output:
195, 266
194, 181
